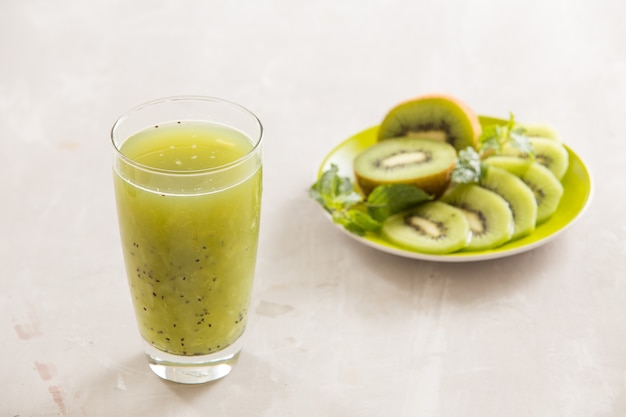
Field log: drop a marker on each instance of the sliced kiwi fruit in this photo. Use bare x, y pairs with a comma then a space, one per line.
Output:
541, 131
489, 215
547, 188
517, 194
551, 154
548, 152
433, 227
438, 117
417, 161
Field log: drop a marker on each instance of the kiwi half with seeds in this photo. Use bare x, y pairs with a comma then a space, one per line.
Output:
433, 227
489, 216
547, 188
416, 161
517, 194
438, 117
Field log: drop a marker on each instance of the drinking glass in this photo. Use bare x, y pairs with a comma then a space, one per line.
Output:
188, 183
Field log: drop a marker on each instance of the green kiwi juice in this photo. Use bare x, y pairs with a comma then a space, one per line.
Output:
189, 211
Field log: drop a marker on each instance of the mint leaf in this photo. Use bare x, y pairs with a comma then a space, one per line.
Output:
348, 208
334, 192
386, 200
493, 139
519, 140
490, 140
360, 222
468, 167
338, 197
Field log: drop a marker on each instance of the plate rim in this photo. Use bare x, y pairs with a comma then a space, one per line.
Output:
460, 256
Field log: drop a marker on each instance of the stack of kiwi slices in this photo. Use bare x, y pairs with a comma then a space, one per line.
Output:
516, 182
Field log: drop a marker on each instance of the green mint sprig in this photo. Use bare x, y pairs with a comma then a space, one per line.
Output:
347, 207
493, 139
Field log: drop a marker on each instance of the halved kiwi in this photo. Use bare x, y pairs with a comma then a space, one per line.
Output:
517, 194
547, 188
438, 117
432, 227
489, 216
417, 161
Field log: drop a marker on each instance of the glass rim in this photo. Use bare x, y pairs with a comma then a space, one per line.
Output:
190, 98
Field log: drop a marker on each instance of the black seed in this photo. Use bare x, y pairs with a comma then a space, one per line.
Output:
145, 309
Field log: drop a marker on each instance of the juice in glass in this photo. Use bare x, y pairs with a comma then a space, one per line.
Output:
188, 196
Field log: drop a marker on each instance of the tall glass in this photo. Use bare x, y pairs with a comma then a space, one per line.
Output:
187, 176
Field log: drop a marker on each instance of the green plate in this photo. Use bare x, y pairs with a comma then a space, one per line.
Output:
577, 195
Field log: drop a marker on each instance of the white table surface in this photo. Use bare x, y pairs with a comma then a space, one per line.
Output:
336, 328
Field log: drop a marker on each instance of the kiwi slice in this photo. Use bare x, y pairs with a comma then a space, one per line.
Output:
517, 194
439, 117
551, 154
489, 216
541, 131
433, 227
417, 161
547, 188
548, 152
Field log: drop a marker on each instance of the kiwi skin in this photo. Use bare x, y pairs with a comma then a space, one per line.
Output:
392, 126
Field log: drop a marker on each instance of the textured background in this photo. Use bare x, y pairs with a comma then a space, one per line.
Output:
337, 329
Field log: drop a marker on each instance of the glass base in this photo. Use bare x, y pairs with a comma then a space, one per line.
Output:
193, 369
